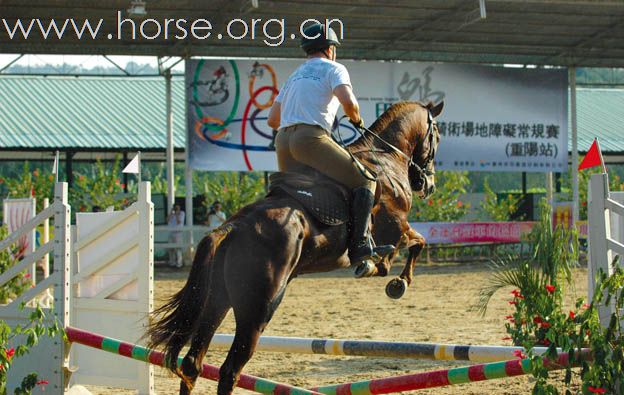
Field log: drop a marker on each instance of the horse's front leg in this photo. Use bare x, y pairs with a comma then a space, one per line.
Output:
415, 244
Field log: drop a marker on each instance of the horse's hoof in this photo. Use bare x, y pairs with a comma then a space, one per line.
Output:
396, 288
364, 269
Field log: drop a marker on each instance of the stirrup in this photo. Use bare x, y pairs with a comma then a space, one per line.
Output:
374, 253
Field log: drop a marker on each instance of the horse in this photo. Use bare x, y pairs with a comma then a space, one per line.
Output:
248, 261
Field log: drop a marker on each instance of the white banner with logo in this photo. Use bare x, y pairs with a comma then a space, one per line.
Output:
494, 119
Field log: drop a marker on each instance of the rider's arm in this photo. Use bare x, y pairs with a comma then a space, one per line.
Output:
349, 103
274, 115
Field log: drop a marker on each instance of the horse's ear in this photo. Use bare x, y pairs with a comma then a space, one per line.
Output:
437, 109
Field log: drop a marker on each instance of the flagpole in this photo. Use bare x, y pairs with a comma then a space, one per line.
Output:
139, 173
604, 167
56, 165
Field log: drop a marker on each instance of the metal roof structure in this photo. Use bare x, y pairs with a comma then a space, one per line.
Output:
95, 115
87, 115
588, 33
600, 113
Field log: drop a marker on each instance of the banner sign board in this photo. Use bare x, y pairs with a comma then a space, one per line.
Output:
494, 119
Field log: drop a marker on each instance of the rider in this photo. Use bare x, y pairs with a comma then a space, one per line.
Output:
304, 111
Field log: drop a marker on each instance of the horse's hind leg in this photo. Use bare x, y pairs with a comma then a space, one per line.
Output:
253, 309
213, 313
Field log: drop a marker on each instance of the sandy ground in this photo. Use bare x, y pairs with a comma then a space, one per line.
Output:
334, 305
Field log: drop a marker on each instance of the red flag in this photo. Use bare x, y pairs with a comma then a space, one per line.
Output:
593, 157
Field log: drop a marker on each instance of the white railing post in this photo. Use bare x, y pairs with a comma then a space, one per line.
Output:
62, 280
146, 276
599, 225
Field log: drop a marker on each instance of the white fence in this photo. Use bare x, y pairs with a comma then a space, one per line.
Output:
102, 281
606, 233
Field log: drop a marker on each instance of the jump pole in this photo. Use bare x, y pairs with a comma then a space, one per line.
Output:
440, 378
209, 372
369, 348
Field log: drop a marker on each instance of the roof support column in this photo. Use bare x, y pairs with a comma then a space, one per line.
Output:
170, 161
575, 183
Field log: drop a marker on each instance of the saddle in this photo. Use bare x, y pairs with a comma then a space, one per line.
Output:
326, 200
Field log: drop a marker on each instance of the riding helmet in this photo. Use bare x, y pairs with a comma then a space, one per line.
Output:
321, 41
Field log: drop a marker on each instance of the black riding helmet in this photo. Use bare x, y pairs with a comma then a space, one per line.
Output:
322, 40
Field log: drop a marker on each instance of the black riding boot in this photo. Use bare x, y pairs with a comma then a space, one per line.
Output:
360, 242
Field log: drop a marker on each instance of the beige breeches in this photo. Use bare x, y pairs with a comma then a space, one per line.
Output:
312, 146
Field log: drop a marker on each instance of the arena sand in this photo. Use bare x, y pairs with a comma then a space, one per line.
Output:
335, 305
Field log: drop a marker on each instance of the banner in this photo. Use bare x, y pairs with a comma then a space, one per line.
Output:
473, 232
15, 213
494, 119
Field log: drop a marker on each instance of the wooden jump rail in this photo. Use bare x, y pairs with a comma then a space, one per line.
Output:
369, 348
209, 372
440, 378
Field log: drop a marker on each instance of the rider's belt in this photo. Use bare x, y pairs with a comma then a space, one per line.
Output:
292, 128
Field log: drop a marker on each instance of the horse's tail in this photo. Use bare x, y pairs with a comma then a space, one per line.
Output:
174, 323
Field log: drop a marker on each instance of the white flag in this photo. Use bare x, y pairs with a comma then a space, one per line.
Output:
133, 166
55, 165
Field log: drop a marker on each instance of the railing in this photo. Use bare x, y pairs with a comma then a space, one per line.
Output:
606, 233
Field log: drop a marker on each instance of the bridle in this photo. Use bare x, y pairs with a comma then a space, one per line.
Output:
421, 172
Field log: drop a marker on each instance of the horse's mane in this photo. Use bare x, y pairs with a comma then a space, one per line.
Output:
388, 124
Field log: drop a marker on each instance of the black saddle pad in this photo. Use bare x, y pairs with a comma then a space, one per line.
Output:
327, 201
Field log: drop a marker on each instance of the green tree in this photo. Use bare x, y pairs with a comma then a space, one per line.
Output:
445, 205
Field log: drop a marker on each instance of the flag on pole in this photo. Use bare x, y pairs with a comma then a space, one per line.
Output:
55, 166
133, 166
593, 157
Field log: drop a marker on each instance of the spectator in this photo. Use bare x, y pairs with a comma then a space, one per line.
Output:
215, 216
175, 220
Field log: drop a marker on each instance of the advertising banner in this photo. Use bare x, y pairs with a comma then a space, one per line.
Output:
494, 119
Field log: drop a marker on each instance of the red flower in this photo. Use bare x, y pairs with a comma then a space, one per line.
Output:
585, 306
508, 317
123, 186
512, 302
459, 203
42, 382
537, 320
596, 390
9, 353
572, 315
506, 338
545, 325
519, 354
550, 288
546, 342
117, 181
430, 202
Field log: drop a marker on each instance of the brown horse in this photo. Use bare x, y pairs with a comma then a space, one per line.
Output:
246, 263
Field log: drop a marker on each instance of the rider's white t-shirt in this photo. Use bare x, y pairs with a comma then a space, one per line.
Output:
308, 97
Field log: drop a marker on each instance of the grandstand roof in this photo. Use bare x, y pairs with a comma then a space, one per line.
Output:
587, 33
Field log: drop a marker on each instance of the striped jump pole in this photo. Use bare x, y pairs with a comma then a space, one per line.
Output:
440, 378
210, 372
369, 348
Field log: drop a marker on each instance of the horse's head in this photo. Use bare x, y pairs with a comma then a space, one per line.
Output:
421, 170
409, 130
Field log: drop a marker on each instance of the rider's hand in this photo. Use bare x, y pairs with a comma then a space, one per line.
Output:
358, 124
